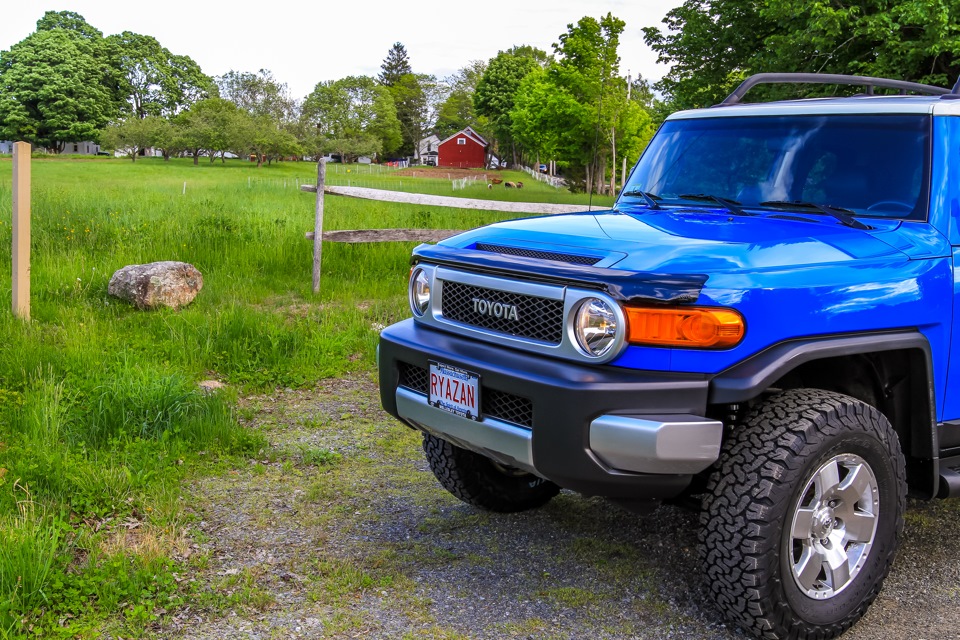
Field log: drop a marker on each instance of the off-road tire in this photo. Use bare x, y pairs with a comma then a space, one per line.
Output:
755, 492
479, 481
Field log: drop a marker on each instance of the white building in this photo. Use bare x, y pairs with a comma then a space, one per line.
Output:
81, 148
427, 150
69, 148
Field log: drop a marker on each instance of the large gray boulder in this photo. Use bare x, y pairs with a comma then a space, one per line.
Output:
148, 286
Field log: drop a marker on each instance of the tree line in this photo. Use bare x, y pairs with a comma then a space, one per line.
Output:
66, 82
712, 45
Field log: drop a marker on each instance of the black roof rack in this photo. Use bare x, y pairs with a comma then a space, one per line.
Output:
833, 78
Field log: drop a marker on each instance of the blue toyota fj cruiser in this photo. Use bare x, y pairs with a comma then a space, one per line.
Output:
765, 321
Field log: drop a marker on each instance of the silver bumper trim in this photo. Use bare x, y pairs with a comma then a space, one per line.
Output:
656, 444
506, 443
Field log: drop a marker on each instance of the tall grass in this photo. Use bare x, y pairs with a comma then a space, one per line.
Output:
29, 552
100, 410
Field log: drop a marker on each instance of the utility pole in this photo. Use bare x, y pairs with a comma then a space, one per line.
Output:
623, 175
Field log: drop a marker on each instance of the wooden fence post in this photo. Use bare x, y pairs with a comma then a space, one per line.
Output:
318, 224
21, 230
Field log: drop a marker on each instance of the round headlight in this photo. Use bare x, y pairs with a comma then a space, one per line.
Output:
419, 292
596, 327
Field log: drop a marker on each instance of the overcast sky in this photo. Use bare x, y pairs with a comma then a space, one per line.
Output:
305, 43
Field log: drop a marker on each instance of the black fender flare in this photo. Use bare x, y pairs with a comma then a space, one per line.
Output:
751, 377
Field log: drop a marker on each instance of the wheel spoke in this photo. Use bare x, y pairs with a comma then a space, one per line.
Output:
855, 485
860, 527
837, 566
807, 569
803, 524
828, 478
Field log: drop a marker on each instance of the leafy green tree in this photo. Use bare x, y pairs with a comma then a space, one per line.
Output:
497, 88
712, 45
169, 138
395, 65
355, 115
259, 94
212, 126
576, 110
70, 21
155, 81
134, 135
310, 140
55, 88
262, 137
457, 110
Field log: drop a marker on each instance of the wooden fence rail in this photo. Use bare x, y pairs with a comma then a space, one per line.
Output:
422, 235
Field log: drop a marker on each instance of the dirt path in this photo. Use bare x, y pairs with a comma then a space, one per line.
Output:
344, 533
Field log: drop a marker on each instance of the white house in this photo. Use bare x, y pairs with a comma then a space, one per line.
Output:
69, 148
426, 152
81, 148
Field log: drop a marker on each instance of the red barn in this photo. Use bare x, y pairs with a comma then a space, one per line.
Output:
464, 149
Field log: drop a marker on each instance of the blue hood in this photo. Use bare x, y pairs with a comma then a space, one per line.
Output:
707, 240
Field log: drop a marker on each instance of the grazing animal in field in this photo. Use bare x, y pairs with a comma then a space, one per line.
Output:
489, 185
519, 185
509, 185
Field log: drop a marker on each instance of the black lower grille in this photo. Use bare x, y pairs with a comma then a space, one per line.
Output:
506, 407
413, 378
505, 312
493, 403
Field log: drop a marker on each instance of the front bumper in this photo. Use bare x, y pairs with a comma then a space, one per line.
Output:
624, 434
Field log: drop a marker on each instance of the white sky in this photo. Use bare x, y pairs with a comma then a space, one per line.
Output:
306, 43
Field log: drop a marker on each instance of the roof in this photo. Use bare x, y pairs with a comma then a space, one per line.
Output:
847, 105
470, 133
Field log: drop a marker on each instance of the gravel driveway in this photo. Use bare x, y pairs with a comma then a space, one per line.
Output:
342, 532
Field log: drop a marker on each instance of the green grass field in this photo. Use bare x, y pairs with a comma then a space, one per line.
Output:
100, 412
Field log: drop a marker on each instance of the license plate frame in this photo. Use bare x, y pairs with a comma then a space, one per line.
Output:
454, 390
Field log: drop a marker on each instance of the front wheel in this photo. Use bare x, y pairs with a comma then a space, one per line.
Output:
479, 481
803, 515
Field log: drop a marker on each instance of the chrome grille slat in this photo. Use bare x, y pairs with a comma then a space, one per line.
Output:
538, 318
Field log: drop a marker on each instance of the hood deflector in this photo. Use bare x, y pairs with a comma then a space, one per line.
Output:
624, 286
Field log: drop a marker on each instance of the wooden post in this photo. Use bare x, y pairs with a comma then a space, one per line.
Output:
21, 230
318, 224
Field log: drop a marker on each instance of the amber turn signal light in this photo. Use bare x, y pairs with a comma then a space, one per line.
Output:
696, 327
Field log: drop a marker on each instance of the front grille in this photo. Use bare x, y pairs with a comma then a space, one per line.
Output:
537, 318
495, 404
540, 255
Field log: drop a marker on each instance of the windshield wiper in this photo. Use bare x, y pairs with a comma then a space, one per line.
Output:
841, 214
651, 198
732, 205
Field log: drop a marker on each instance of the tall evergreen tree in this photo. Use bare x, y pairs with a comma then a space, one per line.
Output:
395, 65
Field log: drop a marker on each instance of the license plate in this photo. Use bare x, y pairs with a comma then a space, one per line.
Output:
455, 390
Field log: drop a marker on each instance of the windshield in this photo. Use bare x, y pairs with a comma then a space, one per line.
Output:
873, 165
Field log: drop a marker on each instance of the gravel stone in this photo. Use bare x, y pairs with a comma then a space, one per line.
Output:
289, 530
